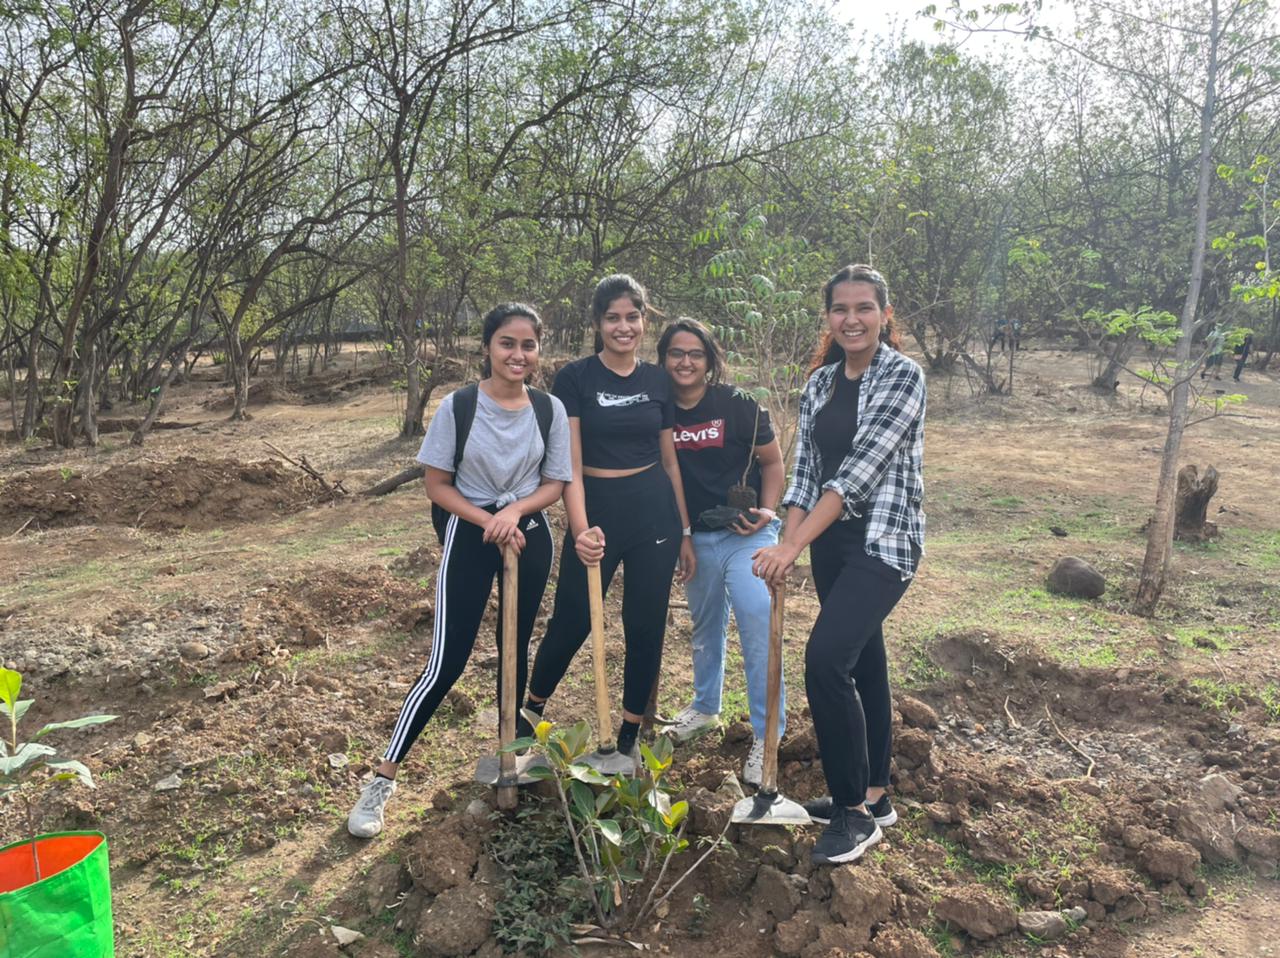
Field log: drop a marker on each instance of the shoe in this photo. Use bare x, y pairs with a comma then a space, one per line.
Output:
691, 723
846, 838
365, 819
882, 811
753, 768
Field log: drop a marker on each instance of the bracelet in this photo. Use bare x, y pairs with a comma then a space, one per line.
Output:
686, 531
767, 512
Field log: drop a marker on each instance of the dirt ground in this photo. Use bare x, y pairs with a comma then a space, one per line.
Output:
256, 636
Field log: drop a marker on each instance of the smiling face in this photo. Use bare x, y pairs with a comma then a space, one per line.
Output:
686, 360
513, 350
855, 318
621, 326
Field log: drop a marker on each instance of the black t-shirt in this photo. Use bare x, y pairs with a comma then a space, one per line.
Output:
836, 424
620, 417
713, 444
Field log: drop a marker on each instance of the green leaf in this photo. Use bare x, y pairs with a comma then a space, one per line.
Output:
516, 745
10, 686
585, 773
69, 768
20, 707
77, 723
610, 830
583, 801
27, 753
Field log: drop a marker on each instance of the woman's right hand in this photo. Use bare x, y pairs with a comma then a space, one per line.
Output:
590, 545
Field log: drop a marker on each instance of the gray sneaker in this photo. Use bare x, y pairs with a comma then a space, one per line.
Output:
691, 723
365, 819
753, 768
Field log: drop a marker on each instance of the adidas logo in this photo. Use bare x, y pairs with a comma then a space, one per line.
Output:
533, 524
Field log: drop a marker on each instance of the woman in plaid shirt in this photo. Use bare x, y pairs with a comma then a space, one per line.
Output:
854, 501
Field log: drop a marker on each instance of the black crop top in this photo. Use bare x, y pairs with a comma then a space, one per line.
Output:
620, 417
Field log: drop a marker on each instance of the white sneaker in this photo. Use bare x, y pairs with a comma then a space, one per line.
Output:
691, 723
753, 768
365, 819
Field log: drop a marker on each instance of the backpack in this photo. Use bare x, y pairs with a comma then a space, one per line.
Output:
464, 412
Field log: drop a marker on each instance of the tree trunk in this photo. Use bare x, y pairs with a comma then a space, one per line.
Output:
1109, 377
1155, 564
392, 483
1190, 511
153, 412
238, 367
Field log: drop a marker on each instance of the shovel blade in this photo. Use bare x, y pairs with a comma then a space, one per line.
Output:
769, 809
611, 762
489, 769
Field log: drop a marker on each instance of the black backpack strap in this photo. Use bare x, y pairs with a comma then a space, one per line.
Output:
544, 412
464, 412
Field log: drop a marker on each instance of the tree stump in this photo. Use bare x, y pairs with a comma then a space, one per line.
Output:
1194, 493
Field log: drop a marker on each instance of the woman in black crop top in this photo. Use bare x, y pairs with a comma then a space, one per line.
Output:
625, 503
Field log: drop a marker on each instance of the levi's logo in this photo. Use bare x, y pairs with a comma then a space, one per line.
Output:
705, 435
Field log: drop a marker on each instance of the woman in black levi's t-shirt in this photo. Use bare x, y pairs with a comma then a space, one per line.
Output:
625, 504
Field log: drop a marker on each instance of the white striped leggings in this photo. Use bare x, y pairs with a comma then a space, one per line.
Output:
468, 567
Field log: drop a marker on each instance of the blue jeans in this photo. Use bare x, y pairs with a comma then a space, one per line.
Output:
724, 580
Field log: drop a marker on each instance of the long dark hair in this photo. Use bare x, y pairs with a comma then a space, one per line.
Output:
497, 317
715, 353
829, 351
611, 288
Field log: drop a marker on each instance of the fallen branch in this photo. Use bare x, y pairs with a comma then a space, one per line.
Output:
1072, 745
17, 532
1013, 722
395, 482
334, 490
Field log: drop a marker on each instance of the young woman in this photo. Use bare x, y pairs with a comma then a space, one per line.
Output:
855, 502
625, 504
493, 496
723, 440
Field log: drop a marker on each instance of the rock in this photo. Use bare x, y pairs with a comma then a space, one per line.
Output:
976, 911
790, 937
912, 746
1209, 833
1166, 859
730, 788
775, 893
169, 783
902, 943
443, 857
1261, 843
1075, 577
835, 941
383, 886
943, 813
1044, 925
477, 809
345, 936
860, 898
915, 713
1108, 885
456, 924
193, 651
988, 842
338, 760
1217, 792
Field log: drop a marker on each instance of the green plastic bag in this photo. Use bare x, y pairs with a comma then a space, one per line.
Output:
67, 914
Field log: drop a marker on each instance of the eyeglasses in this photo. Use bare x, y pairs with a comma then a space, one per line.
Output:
697, 355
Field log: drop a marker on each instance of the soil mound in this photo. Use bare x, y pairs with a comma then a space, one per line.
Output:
186, 493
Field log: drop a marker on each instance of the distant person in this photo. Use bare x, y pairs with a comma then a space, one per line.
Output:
729, 461
1213, 363
1242, 356
491, 497
625, 506
1000, 332
855, 502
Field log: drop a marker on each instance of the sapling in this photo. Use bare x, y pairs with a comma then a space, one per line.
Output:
27, 767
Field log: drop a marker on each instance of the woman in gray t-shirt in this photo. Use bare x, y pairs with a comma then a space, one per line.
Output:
515, 461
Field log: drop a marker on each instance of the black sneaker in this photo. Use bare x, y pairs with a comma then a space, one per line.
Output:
882, 811
849, 834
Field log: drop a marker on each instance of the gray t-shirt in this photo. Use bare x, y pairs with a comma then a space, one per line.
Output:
503, 451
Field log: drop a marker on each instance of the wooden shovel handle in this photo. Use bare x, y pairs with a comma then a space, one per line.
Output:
595, 597
507, 732
769, 775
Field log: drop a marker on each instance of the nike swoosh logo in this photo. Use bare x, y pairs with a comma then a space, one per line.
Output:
608, 399
660, 541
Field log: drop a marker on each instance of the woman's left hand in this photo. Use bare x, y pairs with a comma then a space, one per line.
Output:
745, 526
688, 563
772, 563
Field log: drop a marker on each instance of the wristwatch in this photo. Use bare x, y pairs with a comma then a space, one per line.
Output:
686, 531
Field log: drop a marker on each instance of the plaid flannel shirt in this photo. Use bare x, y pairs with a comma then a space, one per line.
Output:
883, 475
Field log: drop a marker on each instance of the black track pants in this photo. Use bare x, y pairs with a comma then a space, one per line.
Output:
845, 672
468, 566
641, 527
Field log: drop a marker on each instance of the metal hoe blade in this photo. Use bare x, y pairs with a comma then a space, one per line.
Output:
769, 809
610, 762
489, 769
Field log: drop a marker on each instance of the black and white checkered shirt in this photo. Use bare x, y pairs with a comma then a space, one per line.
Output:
883, 475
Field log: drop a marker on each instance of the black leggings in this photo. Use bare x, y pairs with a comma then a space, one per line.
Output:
846, 674
641, 526
468, 566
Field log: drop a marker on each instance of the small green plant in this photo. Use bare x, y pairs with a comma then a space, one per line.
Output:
26, 768
625, 831
66, 472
